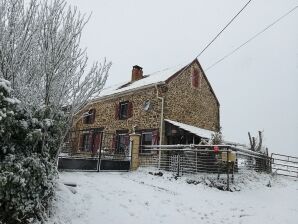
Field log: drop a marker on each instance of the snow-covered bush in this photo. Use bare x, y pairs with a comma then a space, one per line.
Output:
26, 187
40, 55
216, 138
27, 169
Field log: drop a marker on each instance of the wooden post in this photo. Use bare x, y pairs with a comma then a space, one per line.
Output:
134, 147
233, 166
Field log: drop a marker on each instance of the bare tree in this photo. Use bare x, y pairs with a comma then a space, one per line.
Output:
40, 54
17, 30
256, 143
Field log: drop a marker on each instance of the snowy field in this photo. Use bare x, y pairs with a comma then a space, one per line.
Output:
138, 197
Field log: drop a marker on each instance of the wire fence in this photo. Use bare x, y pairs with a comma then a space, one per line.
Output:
230, 160
192, 159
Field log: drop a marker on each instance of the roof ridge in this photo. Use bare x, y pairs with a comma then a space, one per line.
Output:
157, 77
125, 84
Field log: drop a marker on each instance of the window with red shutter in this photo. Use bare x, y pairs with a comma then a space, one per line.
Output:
195, 79
122, 141
86, 142
124, 110
147, 139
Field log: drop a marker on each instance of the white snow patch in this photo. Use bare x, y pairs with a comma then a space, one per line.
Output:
154, 78
137, 197
48, 122
12, 100
195, 130
5, 84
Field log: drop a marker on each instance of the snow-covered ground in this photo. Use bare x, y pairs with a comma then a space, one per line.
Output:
138, 197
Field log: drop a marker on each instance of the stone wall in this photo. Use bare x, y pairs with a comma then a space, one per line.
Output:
193, 106
105, 113
183, 103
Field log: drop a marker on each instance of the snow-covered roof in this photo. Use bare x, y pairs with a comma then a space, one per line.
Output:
195, 130
155, 78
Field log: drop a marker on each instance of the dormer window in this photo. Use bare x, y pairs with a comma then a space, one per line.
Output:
89, 117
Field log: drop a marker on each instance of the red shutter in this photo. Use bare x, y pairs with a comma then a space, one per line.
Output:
117, 108
195, 78
93, 111
81, 143
129, 112
155, 137
127, 140
96, 142
90, 148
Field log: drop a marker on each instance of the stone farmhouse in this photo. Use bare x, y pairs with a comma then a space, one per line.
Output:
172, 106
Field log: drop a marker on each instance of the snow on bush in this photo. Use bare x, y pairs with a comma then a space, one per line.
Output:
27, 170
26, 186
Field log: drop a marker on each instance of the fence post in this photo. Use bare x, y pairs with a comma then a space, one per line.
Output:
135, 147
159, 158
196, 162
228, 178
178, 165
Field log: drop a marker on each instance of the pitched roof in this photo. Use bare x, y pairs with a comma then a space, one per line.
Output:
204, 133
155, 78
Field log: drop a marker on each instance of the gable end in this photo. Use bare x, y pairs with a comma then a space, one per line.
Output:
186, 67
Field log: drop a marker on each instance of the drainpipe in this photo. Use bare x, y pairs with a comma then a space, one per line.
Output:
161, 123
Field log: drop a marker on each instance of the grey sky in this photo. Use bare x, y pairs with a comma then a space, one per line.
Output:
257, 86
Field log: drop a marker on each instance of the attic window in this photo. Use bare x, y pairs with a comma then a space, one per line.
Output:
195, 78
89, 117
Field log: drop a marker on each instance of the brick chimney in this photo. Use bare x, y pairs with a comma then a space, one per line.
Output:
137, 73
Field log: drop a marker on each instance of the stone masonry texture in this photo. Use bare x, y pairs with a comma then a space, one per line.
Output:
183, 103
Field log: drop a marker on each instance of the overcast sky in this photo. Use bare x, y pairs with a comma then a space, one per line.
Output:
256, 87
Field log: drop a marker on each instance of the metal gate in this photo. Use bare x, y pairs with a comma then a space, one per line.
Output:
284, 165
78, 163
94, 150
